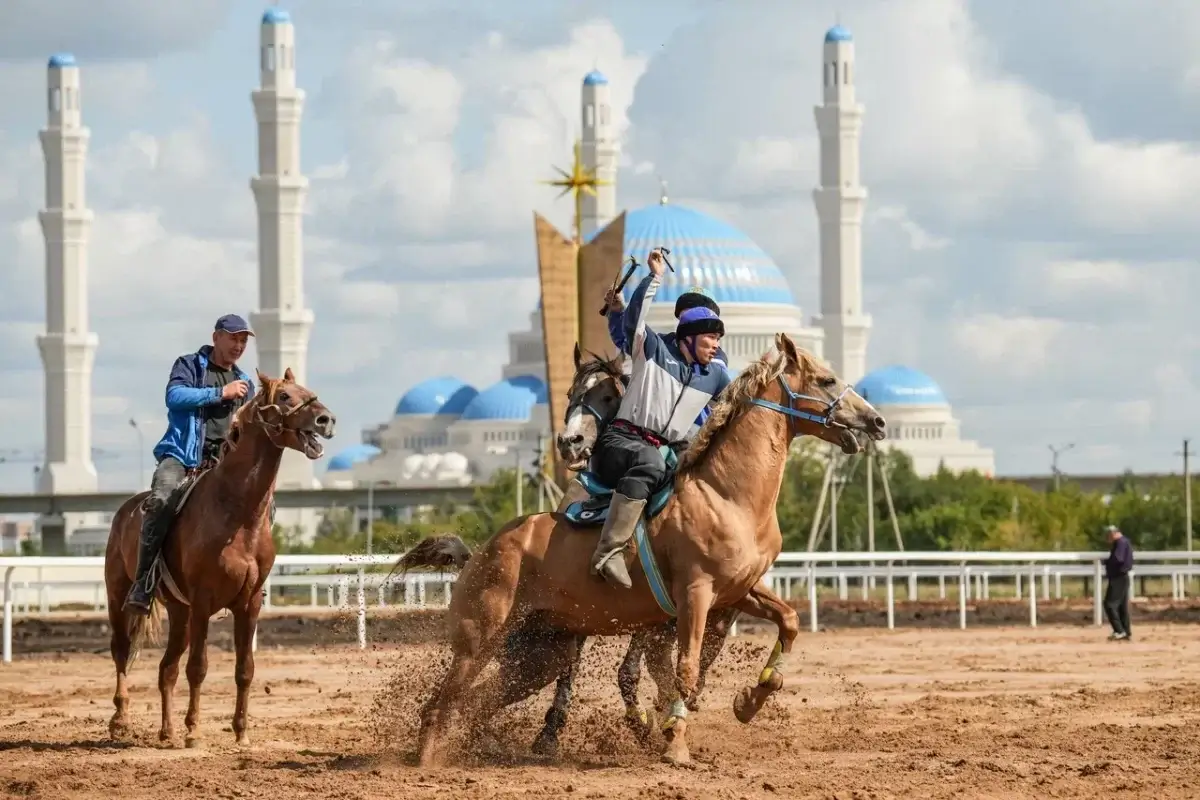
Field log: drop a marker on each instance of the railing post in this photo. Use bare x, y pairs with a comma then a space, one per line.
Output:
812, 597
1097, 601
962, 595
1032, 595
8, 614
362, 609
891, 598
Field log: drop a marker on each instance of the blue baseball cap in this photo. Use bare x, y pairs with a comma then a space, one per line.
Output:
232, 323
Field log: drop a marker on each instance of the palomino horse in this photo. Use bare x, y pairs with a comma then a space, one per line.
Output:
218, 555
707, 548
593, 401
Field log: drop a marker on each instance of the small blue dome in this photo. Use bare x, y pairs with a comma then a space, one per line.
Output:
357, 454
838, 34
444, 395
60, 60
595, 78
705, 252
896, 385
276, 16
510, 399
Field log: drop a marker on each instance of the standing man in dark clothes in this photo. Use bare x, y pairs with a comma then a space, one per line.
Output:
1116, 596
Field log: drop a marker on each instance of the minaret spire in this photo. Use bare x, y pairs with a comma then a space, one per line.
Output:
68, 347
662, 191
282, 323
599, 150
840, 201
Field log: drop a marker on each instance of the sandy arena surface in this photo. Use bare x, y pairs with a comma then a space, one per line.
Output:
988, 712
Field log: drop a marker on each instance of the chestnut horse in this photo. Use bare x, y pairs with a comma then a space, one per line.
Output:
707, 549
217, 555
592, 402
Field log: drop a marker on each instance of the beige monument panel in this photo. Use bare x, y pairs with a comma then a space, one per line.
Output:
558, 273
601, 263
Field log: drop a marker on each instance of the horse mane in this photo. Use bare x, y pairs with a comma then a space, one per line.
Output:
241, 417
598, 365
732, 403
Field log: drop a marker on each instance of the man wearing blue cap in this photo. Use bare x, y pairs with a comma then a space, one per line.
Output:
203, 392
669, 384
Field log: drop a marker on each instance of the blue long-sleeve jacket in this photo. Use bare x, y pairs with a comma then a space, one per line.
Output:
186, 395
616, 332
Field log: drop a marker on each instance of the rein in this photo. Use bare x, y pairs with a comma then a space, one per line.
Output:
824, 419
273, 429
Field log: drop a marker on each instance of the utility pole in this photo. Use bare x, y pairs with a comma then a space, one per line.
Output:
1055, 452
1187, 493
517, 481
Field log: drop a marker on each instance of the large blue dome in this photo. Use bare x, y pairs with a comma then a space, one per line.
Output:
510, 399
346, 459
897, 385
443, 395
705, 252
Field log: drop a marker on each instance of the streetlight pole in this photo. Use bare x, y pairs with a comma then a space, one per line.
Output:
141, 453
1055, 452
370, 515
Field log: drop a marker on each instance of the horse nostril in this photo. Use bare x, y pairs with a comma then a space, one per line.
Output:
577, 439
879, 422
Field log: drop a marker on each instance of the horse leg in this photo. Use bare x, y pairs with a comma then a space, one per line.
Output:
629, 676
546, 743
761, 602
716, 631
168, 668
197, 668
532, 658
475, 635
119, 645
692, 614
244, 622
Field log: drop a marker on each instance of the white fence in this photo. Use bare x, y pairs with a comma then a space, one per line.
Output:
35, 585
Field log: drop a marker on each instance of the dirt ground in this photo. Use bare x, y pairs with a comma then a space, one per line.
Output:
866, 713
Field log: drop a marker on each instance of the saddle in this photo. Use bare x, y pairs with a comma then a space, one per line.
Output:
165, 523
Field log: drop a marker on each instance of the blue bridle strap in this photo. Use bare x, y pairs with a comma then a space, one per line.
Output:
824, 419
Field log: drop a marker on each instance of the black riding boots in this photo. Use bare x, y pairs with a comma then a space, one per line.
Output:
149, 545
608, 560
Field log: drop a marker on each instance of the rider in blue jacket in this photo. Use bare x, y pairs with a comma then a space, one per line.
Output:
203, 392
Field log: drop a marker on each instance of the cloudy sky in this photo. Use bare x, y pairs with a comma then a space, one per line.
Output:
1033, 178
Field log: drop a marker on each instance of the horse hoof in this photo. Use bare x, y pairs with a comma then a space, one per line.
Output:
243, 741
118, 730
166, 735
677, 755
193, 742
745, 705
545, 745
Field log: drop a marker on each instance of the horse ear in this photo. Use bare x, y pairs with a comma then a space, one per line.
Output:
785, 345
578, 358
288, 376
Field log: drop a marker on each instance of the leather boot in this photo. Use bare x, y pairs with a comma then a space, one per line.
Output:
608, 560
149, 545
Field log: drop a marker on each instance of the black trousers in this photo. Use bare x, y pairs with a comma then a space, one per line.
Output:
628, 463
1116, 603
168, 475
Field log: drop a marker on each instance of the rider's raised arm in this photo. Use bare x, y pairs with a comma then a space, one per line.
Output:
637, 334
616, 330
182, 392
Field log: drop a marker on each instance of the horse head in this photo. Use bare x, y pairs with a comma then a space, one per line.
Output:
819, 403
592, 402
291, 415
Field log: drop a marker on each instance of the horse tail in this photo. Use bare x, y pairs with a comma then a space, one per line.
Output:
434, 552
144, 629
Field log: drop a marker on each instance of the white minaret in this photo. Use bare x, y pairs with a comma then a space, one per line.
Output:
282, 322
840, 201
599, 152
68, 348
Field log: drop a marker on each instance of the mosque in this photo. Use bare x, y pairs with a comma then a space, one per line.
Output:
445, 431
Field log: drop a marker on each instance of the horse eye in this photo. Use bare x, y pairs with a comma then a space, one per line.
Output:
283, 397
829, 382
608, 398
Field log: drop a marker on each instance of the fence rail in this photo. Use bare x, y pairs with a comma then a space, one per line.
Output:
971, 574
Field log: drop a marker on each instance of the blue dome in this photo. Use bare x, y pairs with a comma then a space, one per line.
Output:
897, 385
60, 60
444, 395
510, 399
352, 455
705, 252
276, 16
595, 78
838, 34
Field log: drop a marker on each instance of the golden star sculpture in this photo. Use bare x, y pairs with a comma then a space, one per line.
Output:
579, 181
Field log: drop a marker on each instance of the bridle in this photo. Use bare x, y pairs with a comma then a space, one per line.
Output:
824, 419
273, 429
579, 404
